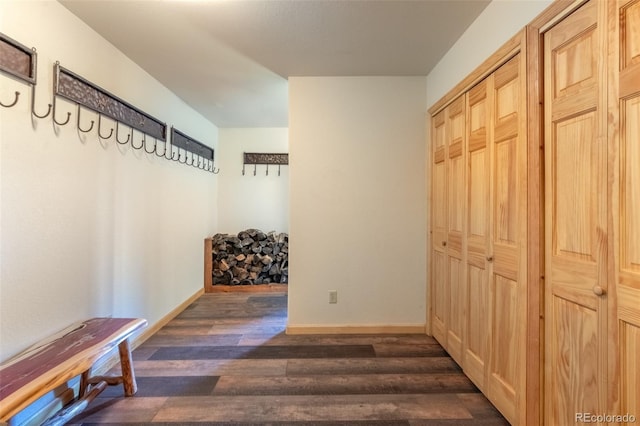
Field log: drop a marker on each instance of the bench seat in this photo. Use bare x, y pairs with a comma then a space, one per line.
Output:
70, 353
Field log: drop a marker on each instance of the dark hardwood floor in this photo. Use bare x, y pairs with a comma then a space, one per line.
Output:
226, 360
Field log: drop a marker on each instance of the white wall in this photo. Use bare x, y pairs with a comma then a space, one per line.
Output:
90, 228
357, 218
500, 21
260, 201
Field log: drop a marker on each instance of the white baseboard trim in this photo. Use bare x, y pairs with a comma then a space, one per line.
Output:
113, 359
357, 329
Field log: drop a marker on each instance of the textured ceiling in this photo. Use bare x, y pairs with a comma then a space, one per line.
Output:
230, 60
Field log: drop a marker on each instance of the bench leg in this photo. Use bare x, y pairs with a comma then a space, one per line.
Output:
84, 384
126, 364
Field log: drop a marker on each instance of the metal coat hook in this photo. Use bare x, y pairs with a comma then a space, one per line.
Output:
15, 101
54, 115
33, 105
243, 170
172, 157
144, 144
78, 123
144, 139
166, 143
169, 149
100, 135
278, 169
199, 163
124, 142
185, 157
214, 170
267, 173
255, 169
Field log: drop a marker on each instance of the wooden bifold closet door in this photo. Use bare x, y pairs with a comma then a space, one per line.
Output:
550, 126
624, 103
592, 213
577, 234
447, 226
479, 234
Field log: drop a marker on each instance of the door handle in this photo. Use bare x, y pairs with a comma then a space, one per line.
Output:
444, 244
598, 291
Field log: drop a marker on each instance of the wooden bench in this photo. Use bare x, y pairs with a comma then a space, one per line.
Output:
70, 353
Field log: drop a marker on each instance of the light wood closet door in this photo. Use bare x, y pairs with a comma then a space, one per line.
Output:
477, 320
455, 119
507, 229
439, 286
448, 198
575, 217
627, 100
496, 234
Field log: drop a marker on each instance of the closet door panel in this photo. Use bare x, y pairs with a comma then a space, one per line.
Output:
455, 118
477, 301
629, 335
576, 379
506, 239
440, 297
439, 281
628, 271
456, 314
576, 235
629, 47
484, 254
477, 320
506, 180
630, 188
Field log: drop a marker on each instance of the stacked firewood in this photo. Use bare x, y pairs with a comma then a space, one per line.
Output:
251, 257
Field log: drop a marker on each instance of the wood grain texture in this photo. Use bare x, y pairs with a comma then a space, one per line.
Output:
479, 251
476, 304
577, 228
267, 376
56, 360
208, 265
624, 107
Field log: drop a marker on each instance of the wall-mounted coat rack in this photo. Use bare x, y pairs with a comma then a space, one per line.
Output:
90, 96
201, 155
20, 62
85, 94
267, 159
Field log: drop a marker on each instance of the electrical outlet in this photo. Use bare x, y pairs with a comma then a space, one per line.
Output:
333, 296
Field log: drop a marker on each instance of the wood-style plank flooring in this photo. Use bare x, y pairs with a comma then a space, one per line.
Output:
226, 360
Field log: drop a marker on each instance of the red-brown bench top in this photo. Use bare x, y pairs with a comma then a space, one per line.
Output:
52, 362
